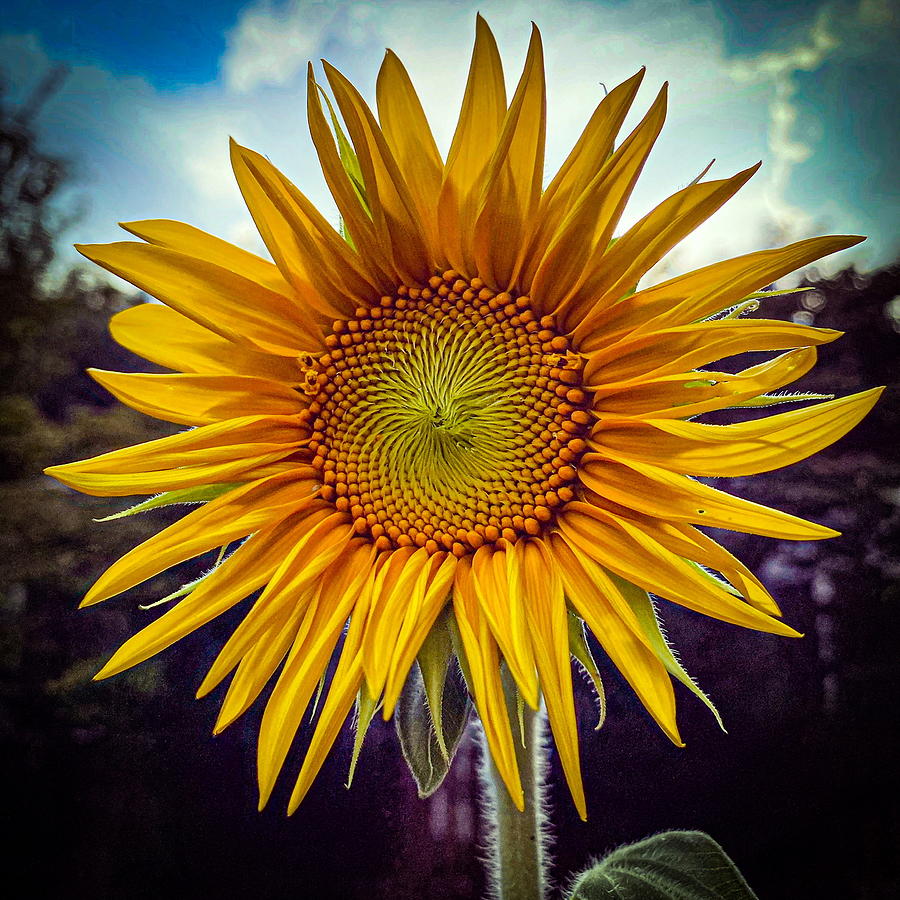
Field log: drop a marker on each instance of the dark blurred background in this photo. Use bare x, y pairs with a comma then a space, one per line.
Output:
117, 789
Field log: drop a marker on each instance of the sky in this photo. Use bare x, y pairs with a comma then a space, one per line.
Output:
154, 89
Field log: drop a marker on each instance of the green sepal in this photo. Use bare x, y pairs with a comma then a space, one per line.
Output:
520, 714
186, 588
746, 306
349, 159
777, 399
434, 659
645, 612
318, 697
674, 865
750, 304
366, 707
458, 649
712, 577
416, 728
706, 168
778, 292
578, 647
201, 494
345, 234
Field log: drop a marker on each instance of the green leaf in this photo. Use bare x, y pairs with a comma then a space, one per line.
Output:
202, 494
675, 865
640, 602
416, 728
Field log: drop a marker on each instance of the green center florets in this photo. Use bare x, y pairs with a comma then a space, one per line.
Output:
450, 416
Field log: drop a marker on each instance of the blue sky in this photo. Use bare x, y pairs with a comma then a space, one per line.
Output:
155, 89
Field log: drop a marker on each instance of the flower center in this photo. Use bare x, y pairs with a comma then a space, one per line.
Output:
448, 417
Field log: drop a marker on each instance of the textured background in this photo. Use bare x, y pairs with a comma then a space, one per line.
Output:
117, 789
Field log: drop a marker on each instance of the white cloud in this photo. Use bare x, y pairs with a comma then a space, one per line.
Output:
146, 152
839, 30
586, 47
777, 69
271, 43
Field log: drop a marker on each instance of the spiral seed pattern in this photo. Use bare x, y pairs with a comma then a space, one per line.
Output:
447, 417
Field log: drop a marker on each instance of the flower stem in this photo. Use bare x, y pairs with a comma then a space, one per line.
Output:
517, 852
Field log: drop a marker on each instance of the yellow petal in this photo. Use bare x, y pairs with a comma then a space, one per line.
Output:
199, 399
483, 668
695, 547
338, 702
246, 570
192, 446
290, 587
585, 233
194, 242
409, 137
234, 515
270, 644
170, 339
701, 293
745, 448
480, 120
401, 581
423, 609
545, 608
208, 455
645, 244
250, 462
693, 544
685, 347
356, 219
591, 590
393, 210
345, 684
326, 272
687, 394
339, 593
667, 495
586, 159
497, 584
512, 185
622, 547
222, 301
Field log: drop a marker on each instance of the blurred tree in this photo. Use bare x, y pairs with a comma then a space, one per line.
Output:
51, 326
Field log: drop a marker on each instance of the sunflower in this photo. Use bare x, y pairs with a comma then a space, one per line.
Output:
455, 408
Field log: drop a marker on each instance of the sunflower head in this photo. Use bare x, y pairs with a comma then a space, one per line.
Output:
454, 420
448, 417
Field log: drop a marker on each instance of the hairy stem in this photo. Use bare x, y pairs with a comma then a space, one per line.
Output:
517, 849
